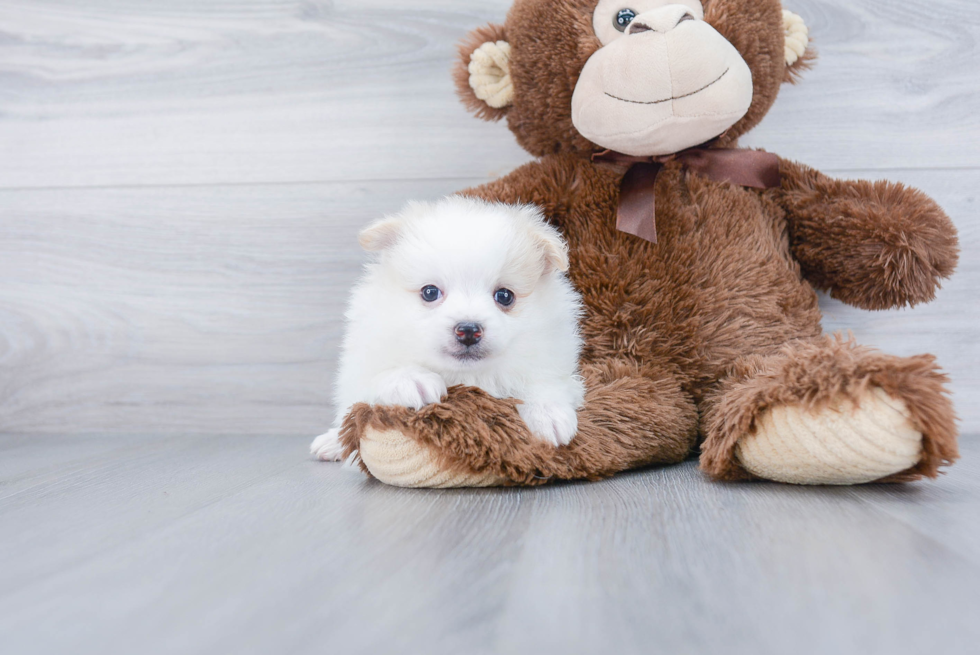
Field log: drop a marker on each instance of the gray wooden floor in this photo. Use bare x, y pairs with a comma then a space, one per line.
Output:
242, 545
180, 186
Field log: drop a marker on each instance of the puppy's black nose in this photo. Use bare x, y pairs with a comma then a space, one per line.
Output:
469, 334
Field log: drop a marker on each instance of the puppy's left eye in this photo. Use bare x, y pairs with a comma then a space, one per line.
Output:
504, 297
431, 293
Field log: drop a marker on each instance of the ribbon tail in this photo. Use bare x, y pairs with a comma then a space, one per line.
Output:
637, 202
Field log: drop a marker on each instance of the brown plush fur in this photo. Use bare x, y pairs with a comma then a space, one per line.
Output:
494, 438
551, 41
699, 333
874, 245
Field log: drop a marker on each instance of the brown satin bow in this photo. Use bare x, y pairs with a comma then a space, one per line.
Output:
637, 203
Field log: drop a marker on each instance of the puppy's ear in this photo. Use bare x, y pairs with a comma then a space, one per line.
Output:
553, 250
482, 73
380, 235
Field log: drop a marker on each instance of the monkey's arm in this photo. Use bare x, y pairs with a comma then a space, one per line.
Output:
874, 245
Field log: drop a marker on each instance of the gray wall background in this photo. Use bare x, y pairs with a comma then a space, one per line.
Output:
181, 183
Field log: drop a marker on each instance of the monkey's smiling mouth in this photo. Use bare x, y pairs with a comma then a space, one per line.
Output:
686, 95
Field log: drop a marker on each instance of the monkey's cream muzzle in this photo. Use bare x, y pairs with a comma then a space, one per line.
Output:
668, 83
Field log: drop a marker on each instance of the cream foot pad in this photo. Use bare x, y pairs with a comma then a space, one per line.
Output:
846, 443
396, 460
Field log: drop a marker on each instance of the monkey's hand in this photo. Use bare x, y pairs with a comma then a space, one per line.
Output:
874, 245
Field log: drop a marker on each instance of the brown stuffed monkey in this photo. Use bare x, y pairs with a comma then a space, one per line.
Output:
698, 263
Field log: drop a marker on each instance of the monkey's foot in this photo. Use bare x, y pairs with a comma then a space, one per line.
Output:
400, 461
847, 442
828, 411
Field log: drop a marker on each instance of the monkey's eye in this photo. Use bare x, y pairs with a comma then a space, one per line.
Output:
623, 19
431, 293
504, 297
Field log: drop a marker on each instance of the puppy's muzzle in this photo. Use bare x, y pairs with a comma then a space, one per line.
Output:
468, 334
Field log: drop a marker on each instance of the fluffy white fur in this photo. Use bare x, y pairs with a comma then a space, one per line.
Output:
401, 350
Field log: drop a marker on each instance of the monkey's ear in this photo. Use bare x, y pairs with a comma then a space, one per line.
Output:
380, 235
482, 74
799, 54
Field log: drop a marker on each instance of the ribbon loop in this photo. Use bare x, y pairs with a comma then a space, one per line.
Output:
637, 201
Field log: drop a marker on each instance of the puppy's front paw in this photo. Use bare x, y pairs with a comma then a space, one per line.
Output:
327, 447
555, 423
412, 386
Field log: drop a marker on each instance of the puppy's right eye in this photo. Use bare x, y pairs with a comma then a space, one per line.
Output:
431, 293
504, 297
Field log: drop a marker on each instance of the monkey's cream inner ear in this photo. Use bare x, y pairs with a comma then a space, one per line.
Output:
490, 74
380, 234
797, 37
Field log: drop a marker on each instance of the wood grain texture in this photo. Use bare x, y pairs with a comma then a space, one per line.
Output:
241, 544
114, 93
181, 183
217, 309
199, 309
140, 295
124, 92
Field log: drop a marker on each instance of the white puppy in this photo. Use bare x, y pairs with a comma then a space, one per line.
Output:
463, 292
